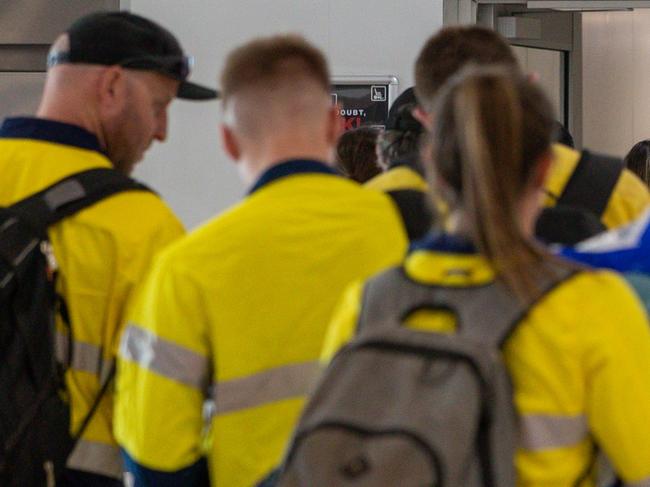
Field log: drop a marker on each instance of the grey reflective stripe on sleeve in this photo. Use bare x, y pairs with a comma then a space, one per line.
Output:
640, 483
272, 385
164, 357
86, 357
62, 347
96, 457
543, 432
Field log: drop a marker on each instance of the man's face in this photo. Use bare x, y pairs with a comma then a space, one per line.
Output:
142, 118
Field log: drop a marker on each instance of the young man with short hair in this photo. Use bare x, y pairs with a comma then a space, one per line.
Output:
452, 48
243, 302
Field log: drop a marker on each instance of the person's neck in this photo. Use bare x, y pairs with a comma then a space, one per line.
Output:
255, 163
71, 115
458, 224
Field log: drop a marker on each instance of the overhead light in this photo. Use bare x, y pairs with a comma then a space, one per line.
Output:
589, 5
594, 9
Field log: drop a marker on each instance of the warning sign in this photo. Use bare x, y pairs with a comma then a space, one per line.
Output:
362, 104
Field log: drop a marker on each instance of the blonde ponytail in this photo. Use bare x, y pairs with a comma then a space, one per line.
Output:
492, 129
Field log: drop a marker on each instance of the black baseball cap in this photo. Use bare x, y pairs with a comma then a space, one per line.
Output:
131, 41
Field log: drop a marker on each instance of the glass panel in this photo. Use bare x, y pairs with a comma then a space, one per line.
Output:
548, 67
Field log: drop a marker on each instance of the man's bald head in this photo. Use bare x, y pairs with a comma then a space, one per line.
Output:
125, 109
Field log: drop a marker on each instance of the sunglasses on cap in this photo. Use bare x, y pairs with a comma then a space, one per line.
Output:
178, 67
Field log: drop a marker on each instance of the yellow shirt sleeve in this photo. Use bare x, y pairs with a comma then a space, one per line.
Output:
163, 371
617, 370
344, 321
629, 200
398, 178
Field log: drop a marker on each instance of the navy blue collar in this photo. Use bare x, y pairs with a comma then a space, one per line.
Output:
49, 131
444, 242
287, 168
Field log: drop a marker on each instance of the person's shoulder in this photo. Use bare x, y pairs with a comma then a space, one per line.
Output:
134, 212
213, 235
589, 301
374, 207
565, 160
599, 281
398, 178
633, 191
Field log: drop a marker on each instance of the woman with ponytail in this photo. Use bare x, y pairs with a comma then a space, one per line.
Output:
579, 359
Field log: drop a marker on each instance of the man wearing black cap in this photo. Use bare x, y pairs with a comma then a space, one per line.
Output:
110, 79
125, 70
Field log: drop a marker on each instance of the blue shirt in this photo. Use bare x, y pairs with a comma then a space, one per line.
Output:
626, 249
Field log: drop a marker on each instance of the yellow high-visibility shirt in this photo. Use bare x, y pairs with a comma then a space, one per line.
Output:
398, 178
579, 364
243, 303
629, 199
102, 252
627, 202
409, 191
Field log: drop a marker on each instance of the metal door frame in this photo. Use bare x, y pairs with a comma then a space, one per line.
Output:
562, 31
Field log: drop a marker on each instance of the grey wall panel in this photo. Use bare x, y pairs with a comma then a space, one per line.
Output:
39, 21
609, 78
548, 67
23, 58
20, 93
361, 38
616, 99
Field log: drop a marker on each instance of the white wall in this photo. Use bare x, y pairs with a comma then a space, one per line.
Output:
547, 65
360, 37
616, 80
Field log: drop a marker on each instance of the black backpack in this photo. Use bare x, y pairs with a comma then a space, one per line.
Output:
35, 439
578, 211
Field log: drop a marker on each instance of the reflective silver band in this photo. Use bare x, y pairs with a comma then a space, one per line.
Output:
543, 432
63, 193
86, 357
98, 458
164, 357
640, 483
268, 386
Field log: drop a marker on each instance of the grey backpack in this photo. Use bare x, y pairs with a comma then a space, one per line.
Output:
400, 407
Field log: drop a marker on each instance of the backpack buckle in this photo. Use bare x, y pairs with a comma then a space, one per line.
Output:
51, 263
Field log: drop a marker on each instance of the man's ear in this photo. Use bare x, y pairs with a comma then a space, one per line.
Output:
112, 89
425, 118
230, 142
334, 125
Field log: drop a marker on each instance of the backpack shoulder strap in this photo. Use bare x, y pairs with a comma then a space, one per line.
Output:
592, 183
386, 298
498, 312
487, 313
72, 194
